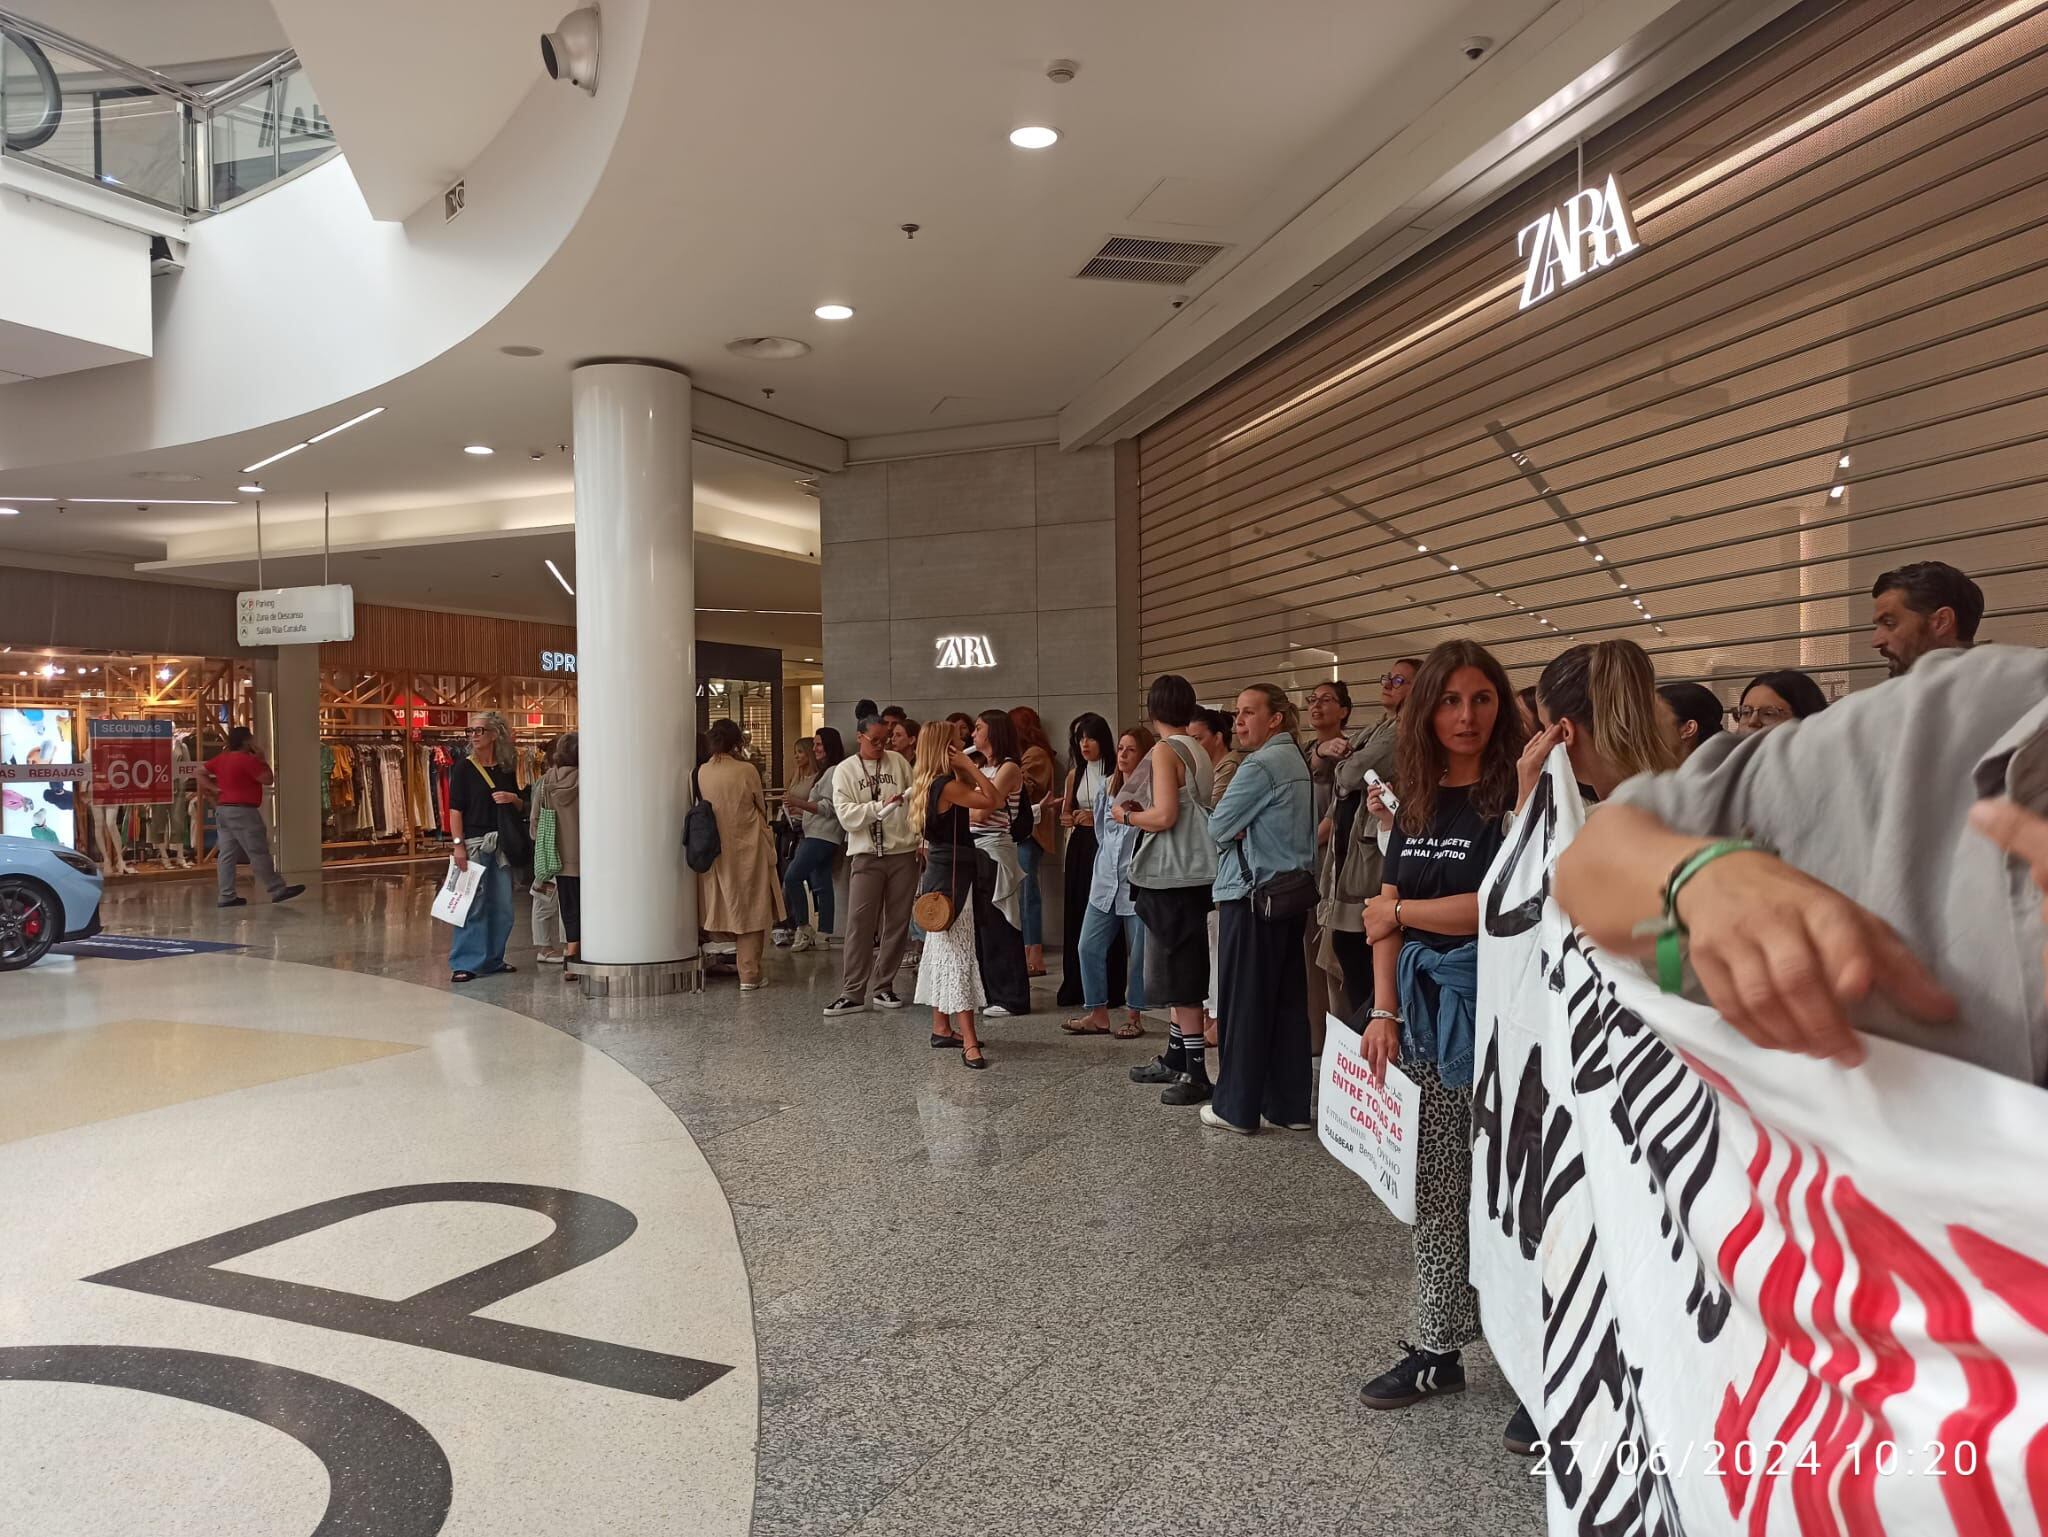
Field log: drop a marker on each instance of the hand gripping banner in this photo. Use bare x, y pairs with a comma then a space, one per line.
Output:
1744, 1291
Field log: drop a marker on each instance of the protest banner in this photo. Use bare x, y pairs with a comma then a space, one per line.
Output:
1744, 1291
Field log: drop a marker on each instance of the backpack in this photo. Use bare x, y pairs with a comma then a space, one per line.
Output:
701, 845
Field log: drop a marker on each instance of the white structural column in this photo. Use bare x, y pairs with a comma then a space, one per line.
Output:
636, 682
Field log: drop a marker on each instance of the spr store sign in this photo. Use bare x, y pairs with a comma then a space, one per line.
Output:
131, 761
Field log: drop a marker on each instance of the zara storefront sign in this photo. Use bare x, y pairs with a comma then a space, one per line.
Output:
1583, 234
964, 651
295, 616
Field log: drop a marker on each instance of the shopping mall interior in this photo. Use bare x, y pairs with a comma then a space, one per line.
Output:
671, 384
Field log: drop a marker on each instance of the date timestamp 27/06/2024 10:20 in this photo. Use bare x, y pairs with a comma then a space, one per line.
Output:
1771, 1459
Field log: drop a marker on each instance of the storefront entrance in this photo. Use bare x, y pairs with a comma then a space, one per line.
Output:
1774, 334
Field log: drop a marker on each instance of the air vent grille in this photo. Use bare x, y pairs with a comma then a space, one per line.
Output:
1129, 259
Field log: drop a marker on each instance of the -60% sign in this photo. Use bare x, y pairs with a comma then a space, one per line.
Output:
131, 762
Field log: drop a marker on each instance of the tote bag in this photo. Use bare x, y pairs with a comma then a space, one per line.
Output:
547, 854
1182, 855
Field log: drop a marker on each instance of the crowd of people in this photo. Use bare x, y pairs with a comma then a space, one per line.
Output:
1246, 879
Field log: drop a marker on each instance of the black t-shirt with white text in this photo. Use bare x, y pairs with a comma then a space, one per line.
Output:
1450, 859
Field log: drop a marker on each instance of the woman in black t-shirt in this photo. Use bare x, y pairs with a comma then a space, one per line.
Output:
1454, 774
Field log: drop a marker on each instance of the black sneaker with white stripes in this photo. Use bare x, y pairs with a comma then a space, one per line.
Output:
1421, 1374
887, 999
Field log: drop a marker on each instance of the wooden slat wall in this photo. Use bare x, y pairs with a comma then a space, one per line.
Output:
1827, 272
415, 640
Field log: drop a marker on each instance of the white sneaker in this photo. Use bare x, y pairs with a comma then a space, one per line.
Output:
996, 1011
1211, 1118
804, 940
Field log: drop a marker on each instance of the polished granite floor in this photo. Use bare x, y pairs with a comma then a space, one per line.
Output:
1023, 1301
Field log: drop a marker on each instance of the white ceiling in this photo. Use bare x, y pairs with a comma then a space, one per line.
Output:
768, 156
415, 91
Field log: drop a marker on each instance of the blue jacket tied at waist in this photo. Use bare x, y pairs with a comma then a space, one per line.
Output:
1439, 1007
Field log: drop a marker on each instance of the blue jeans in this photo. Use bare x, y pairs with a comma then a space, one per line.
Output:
810, 865
1030, 855
478, 946
1098, 933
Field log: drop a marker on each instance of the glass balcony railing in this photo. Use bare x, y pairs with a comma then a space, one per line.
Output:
193, 149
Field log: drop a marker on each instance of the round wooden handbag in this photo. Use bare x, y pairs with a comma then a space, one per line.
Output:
934, 911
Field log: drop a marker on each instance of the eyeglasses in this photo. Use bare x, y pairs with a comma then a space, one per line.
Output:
1395, 679
1761, 715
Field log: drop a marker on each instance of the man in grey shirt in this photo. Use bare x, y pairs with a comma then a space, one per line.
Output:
1880, 910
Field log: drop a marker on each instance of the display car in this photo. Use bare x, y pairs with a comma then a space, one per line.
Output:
47, 893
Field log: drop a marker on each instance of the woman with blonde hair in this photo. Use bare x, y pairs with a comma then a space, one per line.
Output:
945, 790
482, 803
1600, 701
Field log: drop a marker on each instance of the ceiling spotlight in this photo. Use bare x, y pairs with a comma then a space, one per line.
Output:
834, 312
481, 450
1842, 463
1582, 539
557, 571
1600, 559
1454, 566
1035, 136
1835, 493
1422, 549
1658, 628
570, 52
1624, 586
163, 675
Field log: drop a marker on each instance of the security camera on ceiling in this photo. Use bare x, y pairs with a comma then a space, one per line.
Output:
570, 51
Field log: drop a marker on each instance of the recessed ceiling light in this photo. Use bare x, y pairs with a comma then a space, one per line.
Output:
322, 437
1034, 136
262, 464
1582, 539
1835, 493
1600, 558
1454, 567
1842, 463
252, 489
481, 450
834, 312
1422, 549
1624, 586
10, 512
520, 350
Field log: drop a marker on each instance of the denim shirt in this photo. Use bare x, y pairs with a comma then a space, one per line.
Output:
1109, 889
1271, 802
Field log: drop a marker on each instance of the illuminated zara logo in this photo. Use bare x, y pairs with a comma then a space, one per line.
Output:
1581, 235
964, 651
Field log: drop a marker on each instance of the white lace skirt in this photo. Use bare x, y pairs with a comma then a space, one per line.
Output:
948, 978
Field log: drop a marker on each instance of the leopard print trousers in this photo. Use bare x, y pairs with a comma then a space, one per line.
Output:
1446, 1306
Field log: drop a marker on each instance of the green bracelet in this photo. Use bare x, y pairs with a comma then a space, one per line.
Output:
1667, 929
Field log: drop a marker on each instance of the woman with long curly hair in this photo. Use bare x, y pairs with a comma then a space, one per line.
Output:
1454, 775
998, 872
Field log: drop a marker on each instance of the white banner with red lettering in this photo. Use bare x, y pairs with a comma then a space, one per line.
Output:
1742, 1291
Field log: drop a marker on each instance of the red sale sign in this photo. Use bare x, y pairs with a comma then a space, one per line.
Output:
131, 761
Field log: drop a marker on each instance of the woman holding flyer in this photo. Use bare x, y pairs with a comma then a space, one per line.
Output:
1455, 780
482, 800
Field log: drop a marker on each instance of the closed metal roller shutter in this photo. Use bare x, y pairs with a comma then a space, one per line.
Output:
1828, 356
